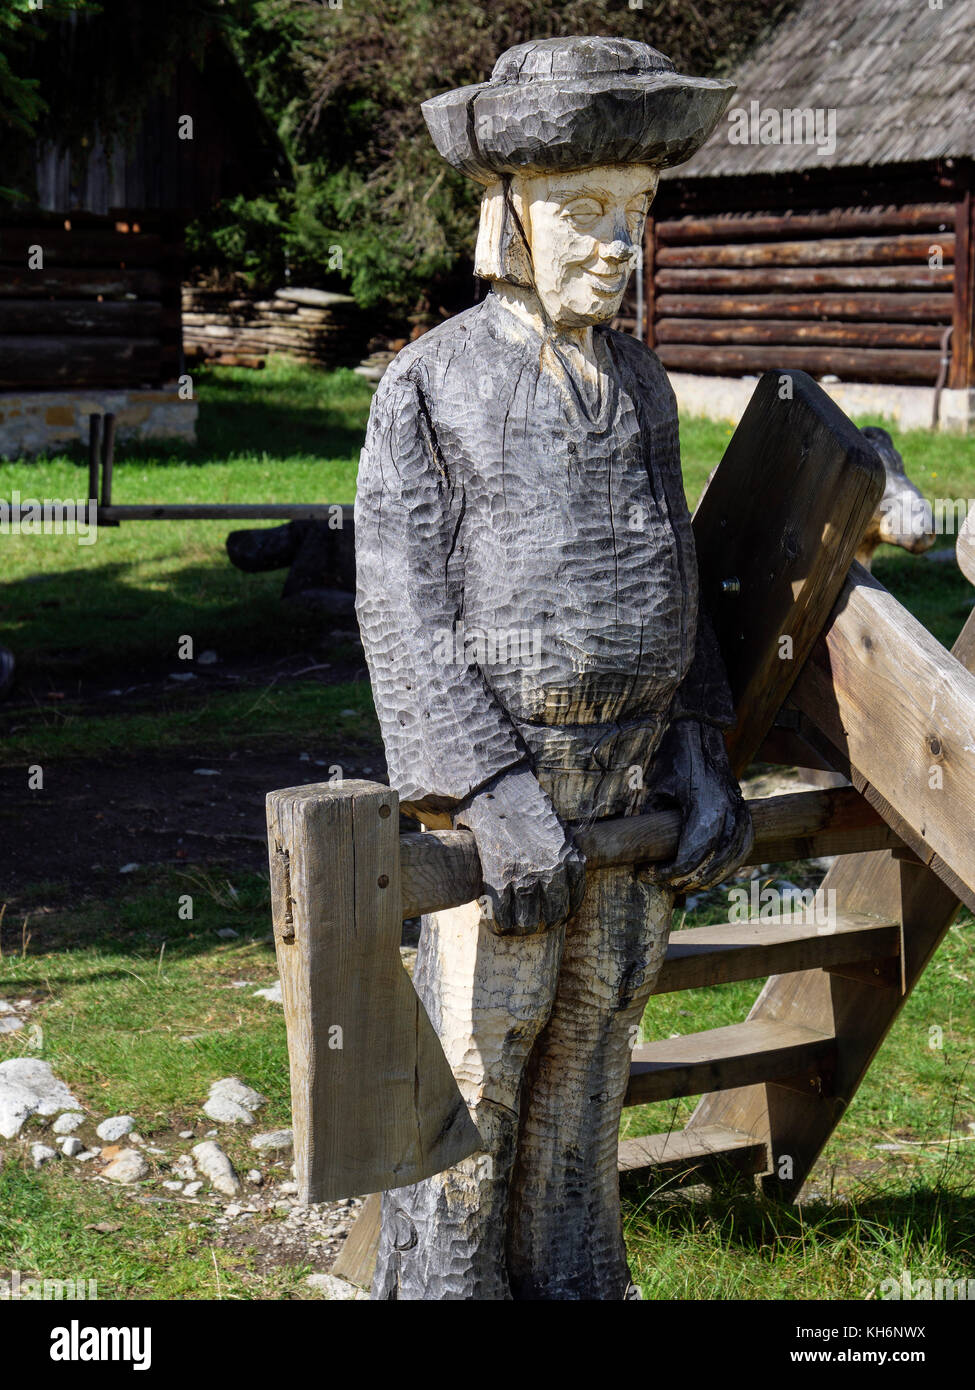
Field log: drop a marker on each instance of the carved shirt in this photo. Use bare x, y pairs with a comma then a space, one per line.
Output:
526, 575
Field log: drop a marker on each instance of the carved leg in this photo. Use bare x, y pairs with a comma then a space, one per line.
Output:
565, 1229
488, 998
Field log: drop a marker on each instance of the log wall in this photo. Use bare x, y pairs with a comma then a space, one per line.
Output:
103, 310
863, 291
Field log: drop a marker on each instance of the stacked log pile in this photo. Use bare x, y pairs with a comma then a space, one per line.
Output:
241, 330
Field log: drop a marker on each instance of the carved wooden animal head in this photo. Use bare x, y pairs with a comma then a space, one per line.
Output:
903, 517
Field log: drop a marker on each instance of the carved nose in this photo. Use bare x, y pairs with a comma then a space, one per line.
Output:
619, 251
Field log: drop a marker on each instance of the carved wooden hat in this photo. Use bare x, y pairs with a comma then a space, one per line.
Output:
573, 103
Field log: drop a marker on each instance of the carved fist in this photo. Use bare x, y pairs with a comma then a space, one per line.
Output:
533, 873
691, 769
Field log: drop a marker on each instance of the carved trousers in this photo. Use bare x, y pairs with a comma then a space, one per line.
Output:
538, 1032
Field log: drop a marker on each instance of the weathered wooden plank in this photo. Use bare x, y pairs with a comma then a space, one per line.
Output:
781, 517
829, 251
118, 318
781, 279
854, 364
356, 1260
962, 371
90, 283
884, 308
440, 869
785, 331
721, 1058
77, 360
374, 1101
701, 1156
835, 222
797, 1127
751, 950
901, 711
80, 246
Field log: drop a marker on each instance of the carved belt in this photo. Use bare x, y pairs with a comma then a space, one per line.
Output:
593, 770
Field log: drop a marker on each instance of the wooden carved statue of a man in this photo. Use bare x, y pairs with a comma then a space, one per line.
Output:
528, 602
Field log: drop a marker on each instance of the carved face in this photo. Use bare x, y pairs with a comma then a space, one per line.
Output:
585, 229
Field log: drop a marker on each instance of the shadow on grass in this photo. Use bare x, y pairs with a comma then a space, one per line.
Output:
938, 1206
278, 414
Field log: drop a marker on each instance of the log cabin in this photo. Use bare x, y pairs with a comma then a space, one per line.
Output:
828, 222
91, 267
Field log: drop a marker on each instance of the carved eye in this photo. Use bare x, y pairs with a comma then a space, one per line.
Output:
584, 213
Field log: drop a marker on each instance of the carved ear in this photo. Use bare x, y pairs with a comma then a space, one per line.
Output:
500, 253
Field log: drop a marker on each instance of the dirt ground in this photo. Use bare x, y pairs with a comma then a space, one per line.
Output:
94, 816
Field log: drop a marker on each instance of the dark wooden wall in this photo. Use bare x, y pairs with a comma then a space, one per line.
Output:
105, 309
828, 275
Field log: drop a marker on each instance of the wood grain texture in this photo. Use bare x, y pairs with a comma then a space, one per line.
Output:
933, 305
827, 251
356, 1260
558, 1010
782, 515
374, 1102
441, 869
797, 1127
901, 711
854, 364
837, 222
701, 1156
758, 1050
749, 950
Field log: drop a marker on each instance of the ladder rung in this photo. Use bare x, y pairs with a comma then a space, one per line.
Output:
739, 1055
699, 1152
748, 950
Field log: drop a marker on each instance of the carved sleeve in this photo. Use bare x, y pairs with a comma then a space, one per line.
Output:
445, 733
704, 693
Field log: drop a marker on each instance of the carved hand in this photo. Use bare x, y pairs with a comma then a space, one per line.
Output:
691, 769
533, 873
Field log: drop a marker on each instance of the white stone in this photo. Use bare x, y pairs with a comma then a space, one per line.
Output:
231, 1101
68, 1122
72, 1146
11, 1023
28, 1086
331, 1287
186, 1134
41, 1154
214, 1164
228, 934
128, 1166
255, 1176
173, 1186
277, 1141
116, 1127
88, 1154
183, 1168
273, 994
191, 1189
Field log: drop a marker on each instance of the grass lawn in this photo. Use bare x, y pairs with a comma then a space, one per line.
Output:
138, 1010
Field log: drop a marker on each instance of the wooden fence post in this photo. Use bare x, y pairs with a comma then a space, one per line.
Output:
374, 1102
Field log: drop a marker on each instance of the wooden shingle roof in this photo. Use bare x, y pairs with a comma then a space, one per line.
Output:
899, 75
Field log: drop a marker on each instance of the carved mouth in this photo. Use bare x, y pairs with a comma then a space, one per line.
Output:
607, 284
